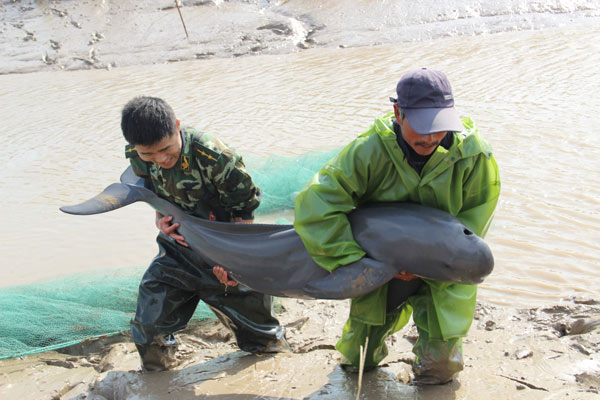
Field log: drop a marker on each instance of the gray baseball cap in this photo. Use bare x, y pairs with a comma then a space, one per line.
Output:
426, 98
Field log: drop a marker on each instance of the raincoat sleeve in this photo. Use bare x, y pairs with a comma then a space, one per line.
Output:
481, 190
322, 206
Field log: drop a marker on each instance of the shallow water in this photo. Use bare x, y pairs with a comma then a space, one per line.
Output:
534, 95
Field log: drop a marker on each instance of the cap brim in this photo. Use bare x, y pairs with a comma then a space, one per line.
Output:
431, 120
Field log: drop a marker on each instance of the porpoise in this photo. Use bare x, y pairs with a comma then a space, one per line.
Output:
272, 259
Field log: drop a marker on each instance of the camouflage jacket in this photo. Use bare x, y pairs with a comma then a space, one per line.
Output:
209, 176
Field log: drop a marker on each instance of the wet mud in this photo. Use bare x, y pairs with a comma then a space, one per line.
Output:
103, 34
66, 35
536, 353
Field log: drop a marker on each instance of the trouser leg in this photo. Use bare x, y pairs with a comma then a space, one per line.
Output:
248, 314
439, 357
356, 332
166, 302
357, 329
169, 293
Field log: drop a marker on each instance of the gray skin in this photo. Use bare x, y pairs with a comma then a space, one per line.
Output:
272, 259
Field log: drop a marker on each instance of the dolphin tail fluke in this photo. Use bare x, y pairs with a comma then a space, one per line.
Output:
114, 196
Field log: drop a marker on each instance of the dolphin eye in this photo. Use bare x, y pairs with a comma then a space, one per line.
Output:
467, 232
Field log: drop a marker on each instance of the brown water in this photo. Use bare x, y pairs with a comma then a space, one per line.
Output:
534, 95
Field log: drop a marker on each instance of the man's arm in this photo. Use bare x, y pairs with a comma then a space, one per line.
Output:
322, 206
237, 193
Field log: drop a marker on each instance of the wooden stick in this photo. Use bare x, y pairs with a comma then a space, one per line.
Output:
181, 16
361, 366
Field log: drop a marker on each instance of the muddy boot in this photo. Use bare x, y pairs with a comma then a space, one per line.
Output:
280, 346
347, 366
355, 333
274, 346
437, 361
159, 355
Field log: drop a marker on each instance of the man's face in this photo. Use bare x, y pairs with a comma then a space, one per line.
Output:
423, 145
164, 153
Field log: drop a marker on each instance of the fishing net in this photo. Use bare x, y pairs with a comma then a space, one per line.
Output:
281, 178
59, 313
62, 312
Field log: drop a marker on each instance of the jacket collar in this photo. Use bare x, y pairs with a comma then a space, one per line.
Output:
186, 150
465, 144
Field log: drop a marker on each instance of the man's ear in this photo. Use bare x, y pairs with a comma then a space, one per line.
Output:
397, 113
178, 125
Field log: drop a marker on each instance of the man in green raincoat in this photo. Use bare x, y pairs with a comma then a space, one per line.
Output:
421, 153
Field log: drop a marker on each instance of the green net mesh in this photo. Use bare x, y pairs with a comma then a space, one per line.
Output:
59, 313
51, 315
280, 178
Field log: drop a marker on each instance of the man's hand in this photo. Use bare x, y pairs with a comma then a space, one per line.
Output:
219, 271
164, 224
223, 276
239, 220
406, 276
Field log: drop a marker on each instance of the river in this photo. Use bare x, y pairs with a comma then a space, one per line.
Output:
533, 93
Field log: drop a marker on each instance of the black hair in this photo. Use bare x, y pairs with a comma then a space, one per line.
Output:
147, 120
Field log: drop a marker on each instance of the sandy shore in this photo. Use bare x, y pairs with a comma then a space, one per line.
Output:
538, 353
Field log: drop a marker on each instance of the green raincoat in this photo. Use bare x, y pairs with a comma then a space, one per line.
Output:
462, 180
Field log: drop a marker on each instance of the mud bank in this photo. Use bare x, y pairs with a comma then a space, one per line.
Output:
69, 35
72, 35
537, 353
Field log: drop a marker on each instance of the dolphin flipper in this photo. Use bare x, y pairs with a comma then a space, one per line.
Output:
114, 196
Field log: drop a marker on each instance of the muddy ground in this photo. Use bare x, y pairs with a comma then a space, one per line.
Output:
537, 353
71, 35
42, 35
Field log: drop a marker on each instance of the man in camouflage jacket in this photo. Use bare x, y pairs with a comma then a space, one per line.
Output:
204, 177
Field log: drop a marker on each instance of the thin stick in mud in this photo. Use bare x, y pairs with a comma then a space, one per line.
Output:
182, 21
361, 366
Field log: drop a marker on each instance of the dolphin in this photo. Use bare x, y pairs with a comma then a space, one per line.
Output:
272, 259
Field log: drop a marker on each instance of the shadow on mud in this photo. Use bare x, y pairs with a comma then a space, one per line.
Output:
226, 376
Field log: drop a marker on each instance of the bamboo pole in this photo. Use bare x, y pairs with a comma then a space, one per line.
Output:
181, 16
361, 367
